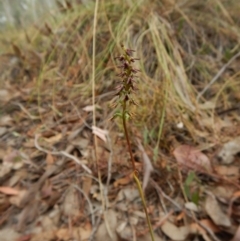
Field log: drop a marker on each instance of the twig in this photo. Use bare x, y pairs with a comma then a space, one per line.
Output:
61, 153
220, 72
109, 175
89, 203
95, 227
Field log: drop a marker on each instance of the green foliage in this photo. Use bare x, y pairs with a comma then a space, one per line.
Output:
191, 187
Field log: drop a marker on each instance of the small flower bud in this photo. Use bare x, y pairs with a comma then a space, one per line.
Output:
129, 52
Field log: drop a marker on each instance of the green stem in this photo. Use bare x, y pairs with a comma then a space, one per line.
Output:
139, 187
144, 203
127, 137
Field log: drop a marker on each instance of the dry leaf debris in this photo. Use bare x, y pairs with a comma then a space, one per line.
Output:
49, 188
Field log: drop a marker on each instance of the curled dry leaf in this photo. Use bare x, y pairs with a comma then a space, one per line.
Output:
54, 139
215, 212
174, 232
102, 134
192, 158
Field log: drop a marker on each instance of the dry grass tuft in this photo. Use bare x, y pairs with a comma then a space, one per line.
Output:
182, 45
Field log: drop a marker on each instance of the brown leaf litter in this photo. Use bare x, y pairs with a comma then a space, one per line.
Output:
50, 185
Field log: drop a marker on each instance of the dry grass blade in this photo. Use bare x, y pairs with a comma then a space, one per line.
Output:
147, 165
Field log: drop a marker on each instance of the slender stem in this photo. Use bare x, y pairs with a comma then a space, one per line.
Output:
144, 203
135, 172
128, 74
127, 138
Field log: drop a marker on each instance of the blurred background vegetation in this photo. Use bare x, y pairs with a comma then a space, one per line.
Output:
18, 13
189, 60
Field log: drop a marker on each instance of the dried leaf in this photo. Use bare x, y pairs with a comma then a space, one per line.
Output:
147, 165
54, 139
3, 130
5, 120
174, 232
87, 183
9, 190
5, 169
46, 236
70, 203
229, 150
127, 194
106, 230
89, 108
215, 213
47, 190
123, 181
28, 214
8, 234
147, 237
231, 172
25, 237
78, 233
191, 206
12, 156
17, 200
209, 223
5, 96
102, 134
197, 229
237, 235
192, 158
224, 191
124, 231
49, 159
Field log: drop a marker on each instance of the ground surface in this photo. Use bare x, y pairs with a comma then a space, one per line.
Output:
57, 183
